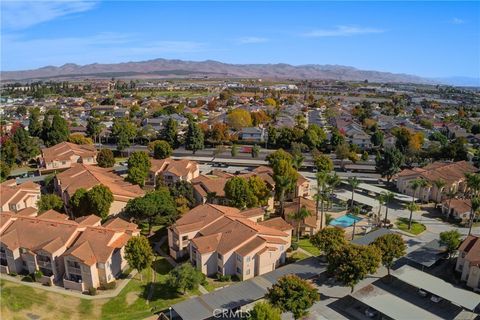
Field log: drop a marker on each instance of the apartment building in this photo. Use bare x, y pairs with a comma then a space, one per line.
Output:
458, 209
309, 225
86, 177
15, 197
224, 240
77, 255
63, 155
452, 173
171, 171
468, 262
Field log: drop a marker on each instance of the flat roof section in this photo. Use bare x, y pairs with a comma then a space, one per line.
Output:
391, 305
371, 236
428, 254
437, 286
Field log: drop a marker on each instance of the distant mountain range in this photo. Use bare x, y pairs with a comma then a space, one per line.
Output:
163, 68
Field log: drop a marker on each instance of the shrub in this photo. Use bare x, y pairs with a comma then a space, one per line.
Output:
37, 275
28, 278
224, 278
294, 245
13, 274
92, 291
109, 286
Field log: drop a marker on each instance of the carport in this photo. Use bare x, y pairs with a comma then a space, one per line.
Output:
391, 305
438, 287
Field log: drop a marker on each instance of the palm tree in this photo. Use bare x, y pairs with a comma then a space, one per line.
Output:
353, 183
355, 211
451, 193
412, 206
473, 183
297, 161
320, 196
282, 183
475, 207
388, 197
298, 216
416, 185
439, 184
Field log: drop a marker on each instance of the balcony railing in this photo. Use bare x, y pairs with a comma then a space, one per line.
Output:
74, 270
73, 285
44, 264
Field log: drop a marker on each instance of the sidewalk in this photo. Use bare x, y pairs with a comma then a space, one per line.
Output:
60, 290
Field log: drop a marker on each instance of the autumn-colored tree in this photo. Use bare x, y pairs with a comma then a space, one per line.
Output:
270, 102
239, 118
259, 117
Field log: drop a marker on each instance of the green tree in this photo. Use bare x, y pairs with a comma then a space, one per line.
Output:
260, 190
28, 147
336, 138
353, 263
388, 164
124, 131
46, 125
154, 207
412, 207
138, 167
293, 294
377, 138
100, 199
474, 210
234, 150
314, 136
78, 138
285, 177
391, 247
451, 239
388, 198
323, 163
78, 203
185, 277
238, 192
170, 132
4, 171
329, 240
353, 182
194, 139
299, 216
105, 158
255, 151
265, 311
49, 201
161, 149
342, 152
364, 156
9, 153
94, 128
325, 184
34, 125
139, 254
58, 131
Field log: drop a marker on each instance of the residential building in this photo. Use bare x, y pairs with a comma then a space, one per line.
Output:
171, 171
86, 177
227, 241
309, 225
254, 134
452, 173
210, 188
468, 262
63, 155
78, 255
458, 209
15, 197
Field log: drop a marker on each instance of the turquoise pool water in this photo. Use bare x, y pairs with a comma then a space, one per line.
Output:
344, 221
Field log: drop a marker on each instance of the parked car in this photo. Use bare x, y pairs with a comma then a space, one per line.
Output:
371, 313
422, 293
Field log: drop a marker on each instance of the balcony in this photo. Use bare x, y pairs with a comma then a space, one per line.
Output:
73, 285
74, 270
44, 264
47, 280
4, 269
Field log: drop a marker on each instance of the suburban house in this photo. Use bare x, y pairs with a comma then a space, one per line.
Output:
452, 173
227, 241
172, 171
210, 188
309, 225
458, 209
63, 155
15, 197
86, 177
79, 254
468, 261
254, 134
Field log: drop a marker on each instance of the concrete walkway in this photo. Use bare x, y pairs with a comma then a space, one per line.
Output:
61, 290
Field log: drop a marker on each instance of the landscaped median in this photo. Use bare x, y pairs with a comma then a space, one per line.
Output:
417, 227
20, 301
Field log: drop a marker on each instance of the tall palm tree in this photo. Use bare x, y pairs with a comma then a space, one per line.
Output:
325, 184
298, 216
388, 197
355, 211
473, 183
474, 210
353, 183
297, 161
412, 206
439, 184
282, 183
417, 184
451, 193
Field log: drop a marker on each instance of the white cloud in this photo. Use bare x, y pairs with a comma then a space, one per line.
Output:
18, 14
250, 40
101, 48
341, 31
457, 21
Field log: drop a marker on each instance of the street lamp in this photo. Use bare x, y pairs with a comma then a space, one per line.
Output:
170, 309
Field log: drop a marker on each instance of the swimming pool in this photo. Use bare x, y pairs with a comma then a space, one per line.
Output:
345, 221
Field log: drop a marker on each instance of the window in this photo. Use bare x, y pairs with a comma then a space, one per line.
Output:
239, 270
184, 238
219, 269
220, 257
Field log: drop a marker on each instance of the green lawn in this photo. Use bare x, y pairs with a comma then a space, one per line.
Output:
213, 284
306, 245
417, 228
19, 298
296, 256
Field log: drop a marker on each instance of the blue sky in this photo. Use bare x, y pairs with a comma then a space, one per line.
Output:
433, 39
